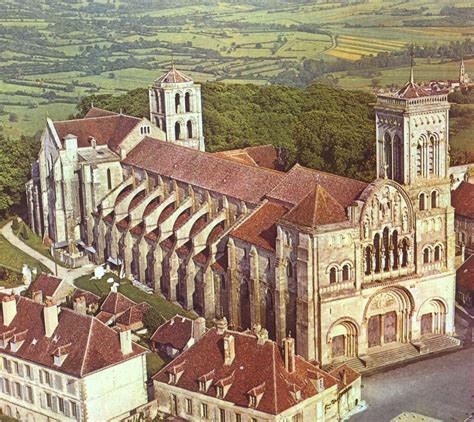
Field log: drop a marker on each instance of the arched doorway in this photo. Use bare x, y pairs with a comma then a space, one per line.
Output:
342, 338
387, 317
432, 317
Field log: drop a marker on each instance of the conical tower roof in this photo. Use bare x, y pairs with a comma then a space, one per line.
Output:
173, 76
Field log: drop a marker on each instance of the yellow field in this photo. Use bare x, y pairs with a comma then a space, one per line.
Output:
343, 55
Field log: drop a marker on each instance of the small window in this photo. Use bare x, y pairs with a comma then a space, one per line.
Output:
253, 401
61, 404
434, 199
220, 392
18, 391
204, 410
29, 394
49, 400
221, 415
29, 372
422, 202
437, 253
238, 417
74, 409
289, 269
345, 273
189, 406
426, 256
109, 179
332, 275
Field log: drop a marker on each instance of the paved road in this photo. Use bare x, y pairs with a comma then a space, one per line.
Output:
68, 274
441, 387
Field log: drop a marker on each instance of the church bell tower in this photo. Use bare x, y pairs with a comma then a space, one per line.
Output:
175, 107
412, 130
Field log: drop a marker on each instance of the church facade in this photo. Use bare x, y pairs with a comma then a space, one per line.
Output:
346, 267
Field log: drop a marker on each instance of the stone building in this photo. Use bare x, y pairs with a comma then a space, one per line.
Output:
57, 364
349, 268
463, 203
233, 376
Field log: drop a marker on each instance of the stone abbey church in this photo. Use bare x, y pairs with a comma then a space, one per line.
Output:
348, 268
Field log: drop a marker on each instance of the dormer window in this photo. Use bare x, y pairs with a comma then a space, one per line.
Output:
320, 384
202, 386
220, 392
172, 378
252, 401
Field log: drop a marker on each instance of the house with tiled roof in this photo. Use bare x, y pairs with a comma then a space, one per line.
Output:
177, 335
48, 287
465, 285
463, 203
234, 376
58, 364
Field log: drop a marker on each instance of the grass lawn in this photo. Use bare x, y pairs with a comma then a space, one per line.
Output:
101, 287
154, 362
13, 258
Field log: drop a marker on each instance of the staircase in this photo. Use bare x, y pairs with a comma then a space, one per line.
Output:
440, 342
404, 352
355, 363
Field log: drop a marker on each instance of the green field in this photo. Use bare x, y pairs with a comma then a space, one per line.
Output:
54, 53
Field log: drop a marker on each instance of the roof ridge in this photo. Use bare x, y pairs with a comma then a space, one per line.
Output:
98, 117
275, 402
328, 173
214, 156
86, 350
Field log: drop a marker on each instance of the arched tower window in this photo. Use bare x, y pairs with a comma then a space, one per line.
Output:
368, 260
187, 102
109, 179
394, 247
431, 158
398, 158
437, 253
386, 249
419, 161
333, 275
289, 269
404, 253
177, 103
426, 256
189, 127
434, 199
388, 156
177, 130
377, 247
422, 202
346, 272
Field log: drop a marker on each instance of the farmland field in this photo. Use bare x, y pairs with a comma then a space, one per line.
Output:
54, 52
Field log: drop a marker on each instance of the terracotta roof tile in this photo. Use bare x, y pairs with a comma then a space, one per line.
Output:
260, 155
46, 284
98, 112
465, 274
91, 345
173, 76
300, 181
176, 332
90, 297
412, 90
316, 208
345, 375
462, 200
256, 368
260, 228
116, 303
133, 315
109, 130
204, 170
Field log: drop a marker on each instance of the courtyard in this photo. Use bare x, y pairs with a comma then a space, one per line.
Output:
440, 388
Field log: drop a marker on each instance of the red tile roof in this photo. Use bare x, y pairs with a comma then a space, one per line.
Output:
46, 284
345, 375
91, 345
116, 303
109, 130
465, 274
412, 90
90, 297
300, 181
133, 315
260, 228
462, 200
247, 183
257, 368
316, 208
173, 76
175, 332
260, 155
98, 112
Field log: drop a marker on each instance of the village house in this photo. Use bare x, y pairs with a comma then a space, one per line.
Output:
48, 287
177, 335
234, 376
463, 203
58, 364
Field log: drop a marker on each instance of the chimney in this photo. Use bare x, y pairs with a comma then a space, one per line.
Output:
221, 325
9, 309
289, 354
229, 349
125, 340
51, 320
80, 305
37, 296
199, 328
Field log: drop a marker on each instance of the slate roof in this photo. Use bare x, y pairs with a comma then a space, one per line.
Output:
91, 345
175, 332
244, 182
47, 284
257, 369
108, 130
462, 199
260, 228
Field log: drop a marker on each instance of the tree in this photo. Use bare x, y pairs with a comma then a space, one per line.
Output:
152, 319
13, 117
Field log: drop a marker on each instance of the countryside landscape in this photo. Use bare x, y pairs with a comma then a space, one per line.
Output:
56, 52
